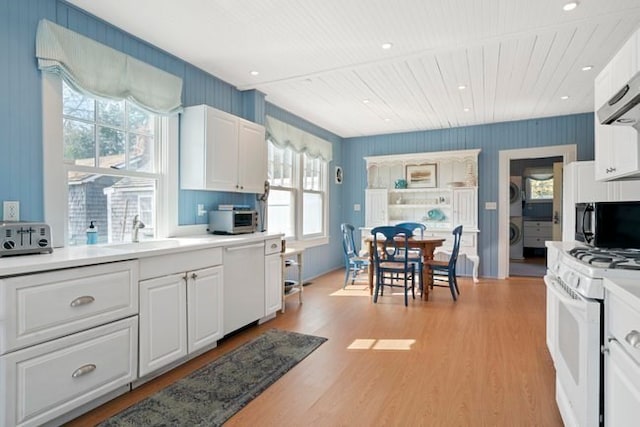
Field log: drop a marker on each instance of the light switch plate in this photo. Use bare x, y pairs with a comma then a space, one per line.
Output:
356, 207
10, 210
490, 206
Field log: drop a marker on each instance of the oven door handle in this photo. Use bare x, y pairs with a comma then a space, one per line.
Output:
562, 295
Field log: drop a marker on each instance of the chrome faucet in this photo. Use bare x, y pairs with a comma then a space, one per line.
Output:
137, 225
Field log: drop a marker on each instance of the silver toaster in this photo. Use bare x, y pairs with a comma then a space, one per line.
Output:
20, 238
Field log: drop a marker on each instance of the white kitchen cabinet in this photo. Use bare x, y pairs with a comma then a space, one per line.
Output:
163, 322
181, 308
273, 276
221, 152
536, 233
622, 352
244, 285
622, 387
45, 381
204, 307
465, 208
67, 337
617, 152
43, 306
375, 207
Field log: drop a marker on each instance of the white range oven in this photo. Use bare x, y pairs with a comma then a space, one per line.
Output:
575, 324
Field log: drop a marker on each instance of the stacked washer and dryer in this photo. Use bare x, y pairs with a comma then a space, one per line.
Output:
516, 238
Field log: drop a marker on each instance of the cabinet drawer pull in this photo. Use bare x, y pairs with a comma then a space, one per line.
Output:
83, 370
274, 245
633, 338
194, 276
84, 300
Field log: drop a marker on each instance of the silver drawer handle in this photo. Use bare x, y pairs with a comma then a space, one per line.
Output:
83, 370
633, 338
274, 245
84, 300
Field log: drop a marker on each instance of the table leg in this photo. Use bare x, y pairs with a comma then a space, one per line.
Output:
370, 269
426, 277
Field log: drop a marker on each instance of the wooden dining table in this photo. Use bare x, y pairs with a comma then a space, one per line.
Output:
427, 244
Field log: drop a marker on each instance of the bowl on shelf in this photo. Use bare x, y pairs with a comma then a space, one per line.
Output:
456, 184
435, 215
401, 183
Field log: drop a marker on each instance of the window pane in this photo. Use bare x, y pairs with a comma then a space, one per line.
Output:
77, 105
141, 152
312, 174
79, 143
281, 212
312, 218
139, 121
111, 113
111, 148
110, 202
540, 189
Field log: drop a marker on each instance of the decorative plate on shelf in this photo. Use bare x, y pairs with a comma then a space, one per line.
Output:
435, 215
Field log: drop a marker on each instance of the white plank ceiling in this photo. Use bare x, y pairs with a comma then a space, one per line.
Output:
322, 59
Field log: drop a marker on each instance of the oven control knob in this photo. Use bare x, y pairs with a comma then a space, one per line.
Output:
9, 244
43, 243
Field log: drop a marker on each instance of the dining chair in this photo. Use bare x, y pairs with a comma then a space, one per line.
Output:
443, 273
391, 260
354, 264
415, 254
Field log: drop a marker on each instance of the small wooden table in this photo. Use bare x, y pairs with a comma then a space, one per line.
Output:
427, 244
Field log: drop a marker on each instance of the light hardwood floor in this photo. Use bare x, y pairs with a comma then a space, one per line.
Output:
481, 361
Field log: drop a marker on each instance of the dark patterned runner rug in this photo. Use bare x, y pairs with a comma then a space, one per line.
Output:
215, 392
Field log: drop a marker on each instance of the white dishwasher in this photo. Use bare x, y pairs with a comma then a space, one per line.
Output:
244, 291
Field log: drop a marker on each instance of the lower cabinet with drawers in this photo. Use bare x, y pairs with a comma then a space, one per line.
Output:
535, 233
67, 337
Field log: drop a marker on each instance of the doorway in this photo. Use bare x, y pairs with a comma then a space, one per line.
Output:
532, 185
565, 154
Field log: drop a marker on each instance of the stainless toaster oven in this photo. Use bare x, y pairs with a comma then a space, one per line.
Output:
233, 221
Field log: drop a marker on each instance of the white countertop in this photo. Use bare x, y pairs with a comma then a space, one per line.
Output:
76, 256
626, 289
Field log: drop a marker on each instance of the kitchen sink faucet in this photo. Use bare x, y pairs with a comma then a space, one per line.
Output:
137, 225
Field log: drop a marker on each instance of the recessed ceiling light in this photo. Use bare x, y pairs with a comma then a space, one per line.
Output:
570, 6
255, 73
387, 120
462, 87
564, 97
587, 68
365, 101
466, 109
387, 45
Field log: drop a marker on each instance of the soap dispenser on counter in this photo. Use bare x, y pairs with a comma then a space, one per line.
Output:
92, 234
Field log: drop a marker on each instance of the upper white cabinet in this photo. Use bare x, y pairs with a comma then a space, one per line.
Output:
579, 186
617, 152
221, 152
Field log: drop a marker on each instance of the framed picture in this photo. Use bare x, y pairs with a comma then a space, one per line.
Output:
338, 175
422, 176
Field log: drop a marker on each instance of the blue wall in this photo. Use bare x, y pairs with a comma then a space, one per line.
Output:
575, 129
21, 110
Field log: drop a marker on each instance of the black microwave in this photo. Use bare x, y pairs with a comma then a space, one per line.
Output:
608, 224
